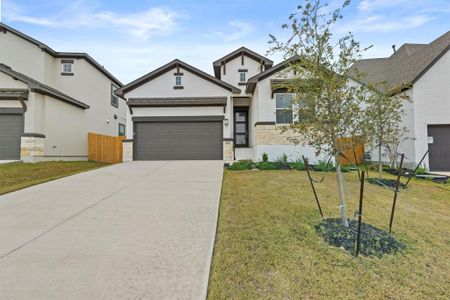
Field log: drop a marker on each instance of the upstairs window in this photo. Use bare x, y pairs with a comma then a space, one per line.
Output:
284, 113
242, 77
114, 98
66, 67
178, 81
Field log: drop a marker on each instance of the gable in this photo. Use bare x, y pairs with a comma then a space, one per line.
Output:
164, 86
8, 82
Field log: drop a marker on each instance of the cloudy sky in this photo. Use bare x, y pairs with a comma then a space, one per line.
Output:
131, 38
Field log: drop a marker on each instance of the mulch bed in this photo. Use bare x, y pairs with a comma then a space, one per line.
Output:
374, 241
392, 183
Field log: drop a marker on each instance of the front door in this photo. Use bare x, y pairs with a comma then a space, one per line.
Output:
241, 127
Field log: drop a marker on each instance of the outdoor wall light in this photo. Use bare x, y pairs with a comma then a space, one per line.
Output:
225, 122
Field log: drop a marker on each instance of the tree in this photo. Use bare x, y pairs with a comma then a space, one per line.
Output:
384, 111
328, 104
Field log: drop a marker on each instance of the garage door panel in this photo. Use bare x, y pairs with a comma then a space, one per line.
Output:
439, 150
11, 129
178, 141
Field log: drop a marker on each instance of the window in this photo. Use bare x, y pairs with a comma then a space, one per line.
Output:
284, 108
242, 76
114, 98
178, 80
121, 129
66, 67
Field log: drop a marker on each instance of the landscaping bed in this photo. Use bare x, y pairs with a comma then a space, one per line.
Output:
15, 176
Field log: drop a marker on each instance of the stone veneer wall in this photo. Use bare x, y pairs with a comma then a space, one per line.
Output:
31, 146
228, 151
273, 135
127, 154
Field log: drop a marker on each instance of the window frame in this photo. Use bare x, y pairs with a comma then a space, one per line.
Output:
178, 81
113, 96
284, 109
242, 74
121, 125
65, 63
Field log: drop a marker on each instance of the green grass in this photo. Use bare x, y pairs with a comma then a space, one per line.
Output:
266, 246
16, 176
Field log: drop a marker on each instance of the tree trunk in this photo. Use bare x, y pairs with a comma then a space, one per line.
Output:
380, 165
340, 182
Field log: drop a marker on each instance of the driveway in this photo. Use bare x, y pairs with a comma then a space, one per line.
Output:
136, 230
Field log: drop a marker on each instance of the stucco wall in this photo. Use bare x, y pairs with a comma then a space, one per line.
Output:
431, 94
232, 74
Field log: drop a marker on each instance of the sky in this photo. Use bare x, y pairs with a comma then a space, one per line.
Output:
131, 38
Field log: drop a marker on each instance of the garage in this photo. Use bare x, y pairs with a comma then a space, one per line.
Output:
439, 148
11, 129
178, 138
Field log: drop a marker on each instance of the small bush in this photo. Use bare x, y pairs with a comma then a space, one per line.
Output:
323, 166
298, 165
267, 165
282, 162
265, 157
421, 171
241, 165
345, 169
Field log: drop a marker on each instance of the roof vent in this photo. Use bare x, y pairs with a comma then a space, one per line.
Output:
393, 47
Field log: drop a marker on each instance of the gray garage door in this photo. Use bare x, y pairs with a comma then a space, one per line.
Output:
11, 128
179, 140
440, 148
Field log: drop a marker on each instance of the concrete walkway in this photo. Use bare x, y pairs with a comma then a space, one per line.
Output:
139, 230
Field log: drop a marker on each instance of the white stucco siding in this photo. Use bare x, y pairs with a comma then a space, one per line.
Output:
232, 74
193, 86
91, 87
21, 55
8, 82
431, 95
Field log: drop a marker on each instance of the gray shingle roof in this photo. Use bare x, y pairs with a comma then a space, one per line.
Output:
407, 65
36, 86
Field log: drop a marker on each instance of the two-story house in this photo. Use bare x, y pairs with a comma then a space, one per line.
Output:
50, 100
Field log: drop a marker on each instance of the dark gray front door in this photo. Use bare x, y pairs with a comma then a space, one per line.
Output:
241, 127
11, 129
178, 140
439, 155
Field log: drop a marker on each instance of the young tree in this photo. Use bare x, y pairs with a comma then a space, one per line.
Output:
384, 111
328, 104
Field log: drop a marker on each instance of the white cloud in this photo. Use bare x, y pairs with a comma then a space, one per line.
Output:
369, 5
235, 30
378, 23
143, 25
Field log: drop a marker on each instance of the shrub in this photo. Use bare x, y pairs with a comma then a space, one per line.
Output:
265, 157
241, 165
421, 171
324, 166
282, 162
298, 165
267, 165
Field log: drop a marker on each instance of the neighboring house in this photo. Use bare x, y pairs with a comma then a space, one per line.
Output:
50, 100
180, 112
423, 72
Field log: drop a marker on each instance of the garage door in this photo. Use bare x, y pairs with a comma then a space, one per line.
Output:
439, 155
11, 129
178, 140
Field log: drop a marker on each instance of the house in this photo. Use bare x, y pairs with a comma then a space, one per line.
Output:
180, 112
50, 100
423, 72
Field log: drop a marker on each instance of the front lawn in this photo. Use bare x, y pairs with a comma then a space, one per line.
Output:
267, 246
15, 176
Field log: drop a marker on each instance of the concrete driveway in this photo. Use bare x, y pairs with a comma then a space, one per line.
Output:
140, 230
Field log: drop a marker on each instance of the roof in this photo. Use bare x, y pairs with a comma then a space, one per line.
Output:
36, 86
170, 66
238, 52
251, 83
47, 49
407, 65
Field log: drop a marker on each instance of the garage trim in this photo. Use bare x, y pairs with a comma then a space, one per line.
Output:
179, 119
11, 111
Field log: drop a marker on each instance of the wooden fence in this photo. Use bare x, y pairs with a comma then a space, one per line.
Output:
351, 148
105, 148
